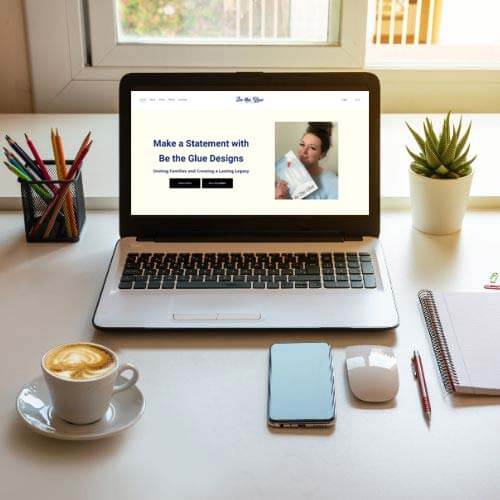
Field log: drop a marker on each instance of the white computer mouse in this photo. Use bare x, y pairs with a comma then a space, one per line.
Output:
372, 371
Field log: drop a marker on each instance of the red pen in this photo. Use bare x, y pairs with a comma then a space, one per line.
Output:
418, 373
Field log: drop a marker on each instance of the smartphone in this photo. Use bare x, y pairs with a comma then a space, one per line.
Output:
301, 385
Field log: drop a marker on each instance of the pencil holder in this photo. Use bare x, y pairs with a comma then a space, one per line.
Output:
53, 210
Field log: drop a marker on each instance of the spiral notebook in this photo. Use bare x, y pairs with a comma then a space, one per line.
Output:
465, 333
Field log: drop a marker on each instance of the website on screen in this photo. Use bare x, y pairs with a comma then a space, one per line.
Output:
250, 153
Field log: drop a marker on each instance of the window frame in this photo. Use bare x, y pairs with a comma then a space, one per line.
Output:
107, 51
66, 82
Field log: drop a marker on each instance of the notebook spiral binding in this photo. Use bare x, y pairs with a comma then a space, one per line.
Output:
438, 340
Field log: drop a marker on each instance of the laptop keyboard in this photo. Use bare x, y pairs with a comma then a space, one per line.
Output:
203, 271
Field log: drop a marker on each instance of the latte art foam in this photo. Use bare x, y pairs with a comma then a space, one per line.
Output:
79, 362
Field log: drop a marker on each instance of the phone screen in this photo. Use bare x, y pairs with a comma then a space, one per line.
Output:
301, 386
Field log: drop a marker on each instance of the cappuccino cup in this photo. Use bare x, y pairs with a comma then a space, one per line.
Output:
81, 380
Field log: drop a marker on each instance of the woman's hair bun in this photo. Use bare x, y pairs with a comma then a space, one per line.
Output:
321, 125
322, 130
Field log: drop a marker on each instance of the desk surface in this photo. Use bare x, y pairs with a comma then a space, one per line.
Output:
204, 432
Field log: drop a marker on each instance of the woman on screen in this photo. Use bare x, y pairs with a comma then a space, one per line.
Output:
313, 147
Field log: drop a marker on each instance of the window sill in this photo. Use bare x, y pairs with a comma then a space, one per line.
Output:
100, 174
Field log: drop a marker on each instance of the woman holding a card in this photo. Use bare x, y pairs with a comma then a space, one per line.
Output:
313, 147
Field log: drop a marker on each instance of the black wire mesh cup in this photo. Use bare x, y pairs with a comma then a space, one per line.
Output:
53, 210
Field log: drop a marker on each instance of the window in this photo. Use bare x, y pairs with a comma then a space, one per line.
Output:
433, 34
226, 21
218, 34
94, 42
434, 56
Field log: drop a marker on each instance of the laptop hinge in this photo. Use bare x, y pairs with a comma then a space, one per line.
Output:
318, 236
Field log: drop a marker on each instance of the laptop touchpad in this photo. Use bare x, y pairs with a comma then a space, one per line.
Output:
217, 316
238, 316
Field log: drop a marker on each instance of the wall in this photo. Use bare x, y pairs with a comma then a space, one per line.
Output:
15, 87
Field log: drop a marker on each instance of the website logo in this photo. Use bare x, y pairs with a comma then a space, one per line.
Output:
249, 99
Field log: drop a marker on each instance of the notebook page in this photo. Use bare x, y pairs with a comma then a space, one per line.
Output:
473, 334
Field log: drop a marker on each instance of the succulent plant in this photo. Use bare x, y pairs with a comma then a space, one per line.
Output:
443, 157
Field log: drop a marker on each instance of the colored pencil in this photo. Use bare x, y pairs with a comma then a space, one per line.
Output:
78, 160
69, 198
60, 176
27, 174
14, 161
71, 176
84, 143
25, 157
41, 165
21, 174
58, 197
18, 163
56, 203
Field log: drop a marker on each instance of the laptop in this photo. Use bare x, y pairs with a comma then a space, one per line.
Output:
248, 200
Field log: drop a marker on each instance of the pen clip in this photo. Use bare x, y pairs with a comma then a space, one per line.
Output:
413, 365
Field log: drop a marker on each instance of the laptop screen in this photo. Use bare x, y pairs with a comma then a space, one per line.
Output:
250, 152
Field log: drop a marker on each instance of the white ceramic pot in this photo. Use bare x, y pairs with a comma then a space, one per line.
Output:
438, 205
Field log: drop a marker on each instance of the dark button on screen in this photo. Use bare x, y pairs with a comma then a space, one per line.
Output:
184, 183
217, 183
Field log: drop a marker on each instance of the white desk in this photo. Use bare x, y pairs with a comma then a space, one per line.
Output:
204, 434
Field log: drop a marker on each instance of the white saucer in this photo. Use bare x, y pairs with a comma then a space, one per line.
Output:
34, 407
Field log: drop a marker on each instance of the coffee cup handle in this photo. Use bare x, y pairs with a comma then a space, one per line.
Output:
128, 383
